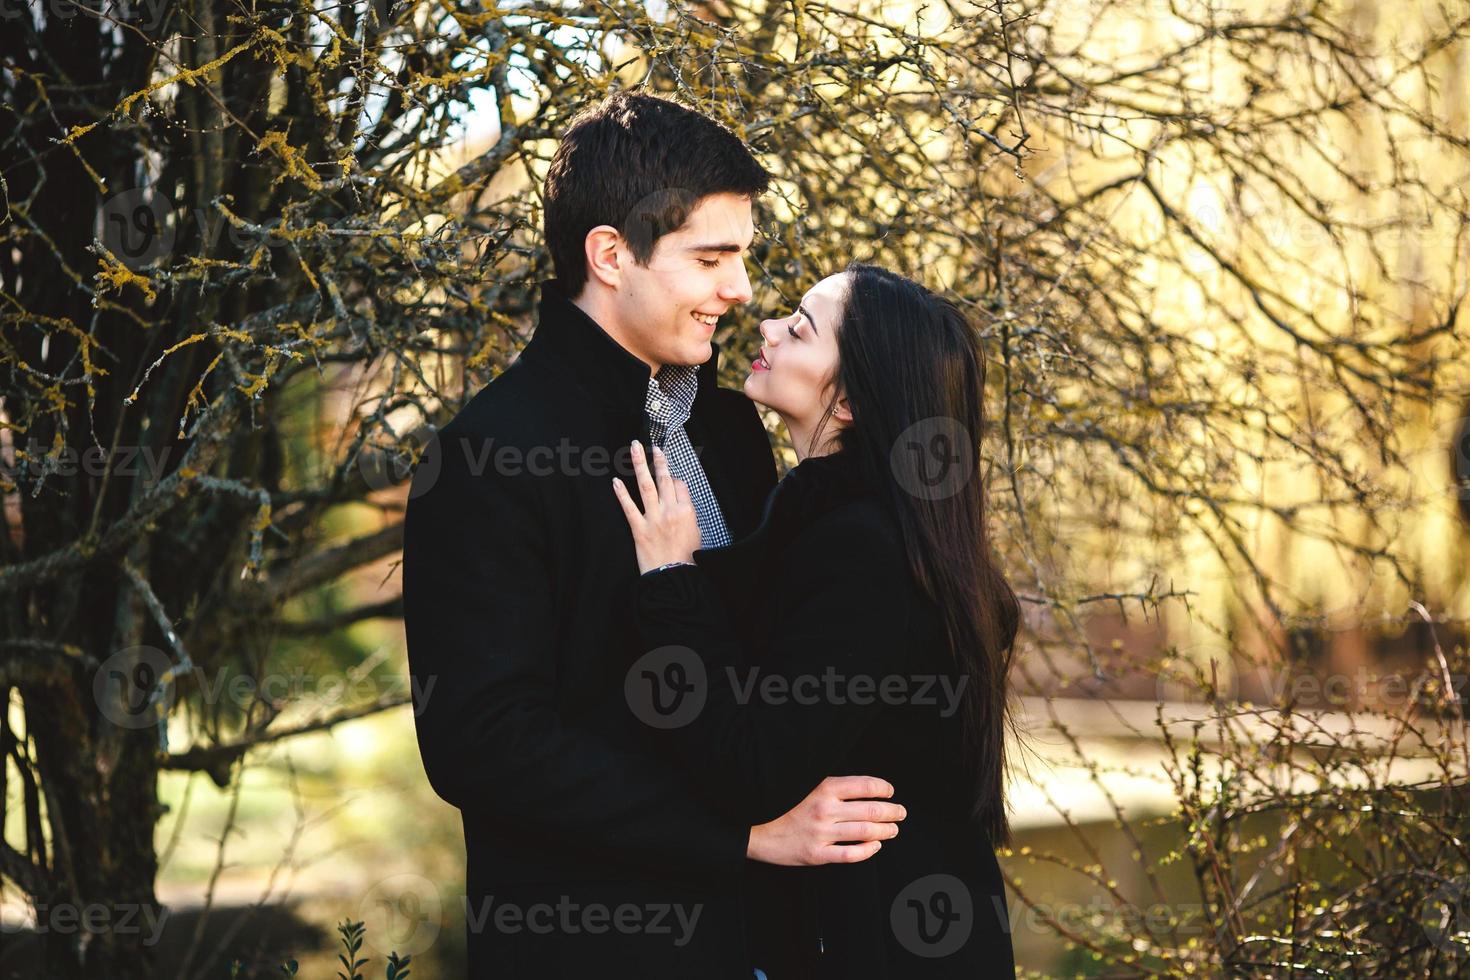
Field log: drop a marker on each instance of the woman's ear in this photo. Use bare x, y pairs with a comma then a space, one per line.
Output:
842, 411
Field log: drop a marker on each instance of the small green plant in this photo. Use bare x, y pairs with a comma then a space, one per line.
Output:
397, 968
351, 934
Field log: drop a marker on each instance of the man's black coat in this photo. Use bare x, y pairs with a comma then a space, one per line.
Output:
586, 854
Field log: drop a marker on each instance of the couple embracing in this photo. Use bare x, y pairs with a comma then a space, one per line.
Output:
698, 722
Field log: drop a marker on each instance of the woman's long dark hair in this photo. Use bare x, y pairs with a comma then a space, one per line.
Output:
914, 378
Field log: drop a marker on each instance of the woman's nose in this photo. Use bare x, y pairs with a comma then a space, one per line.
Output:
769, 333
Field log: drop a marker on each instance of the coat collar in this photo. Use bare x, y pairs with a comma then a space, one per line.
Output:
743, 570
811, 488
616, 378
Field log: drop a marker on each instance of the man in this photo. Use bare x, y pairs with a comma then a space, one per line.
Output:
587, 856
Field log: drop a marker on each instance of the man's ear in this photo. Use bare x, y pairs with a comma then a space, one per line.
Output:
601, 247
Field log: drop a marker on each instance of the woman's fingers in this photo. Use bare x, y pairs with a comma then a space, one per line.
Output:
847, 853
662, 476
858, 787
845, 810
864, 831
630, 509
646, 487
868, 811
843, 820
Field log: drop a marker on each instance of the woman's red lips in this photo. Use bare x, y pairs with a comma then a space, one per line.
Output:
760, 363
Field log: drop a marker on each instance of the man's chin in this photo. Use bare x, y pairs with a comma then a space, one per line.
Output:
695, 354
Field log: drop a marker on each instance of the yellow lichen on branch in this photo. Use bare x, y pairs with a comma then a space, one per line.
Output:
306, 271
259, 381
188, 76
191, 339
196, 394
85, 345
116, 275
296, 165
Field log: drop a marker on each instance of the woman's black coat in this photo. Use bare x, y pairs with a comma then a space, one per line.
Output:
817, 655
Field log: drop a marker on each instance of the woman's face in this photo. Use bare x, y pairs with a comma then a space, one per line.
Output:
797, 366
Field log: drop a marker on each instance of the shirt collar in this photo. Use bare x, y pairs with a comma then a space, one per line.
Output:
566, 333
671, 393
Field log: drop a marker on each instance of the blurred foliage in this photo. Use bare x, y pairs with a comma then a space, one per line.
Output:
255, 252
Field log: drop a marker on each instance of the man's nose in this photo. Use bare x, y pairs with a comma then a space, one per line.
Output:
737, 289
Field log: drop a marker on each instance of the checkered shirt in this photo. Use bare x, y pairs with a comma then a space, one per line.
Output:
670, 399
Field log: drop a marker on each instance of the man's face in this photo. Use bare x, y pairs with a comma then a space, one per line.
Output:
667, 310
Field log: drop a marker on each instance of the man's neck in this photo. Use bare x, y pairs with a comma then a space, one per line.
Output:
603, 315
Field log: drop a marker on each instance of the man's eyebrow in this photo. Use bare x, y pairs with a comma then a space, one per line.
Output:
721, 247
725, 246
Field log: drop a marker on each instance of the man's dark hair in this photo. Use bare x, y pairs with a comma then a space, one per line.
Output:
641, 164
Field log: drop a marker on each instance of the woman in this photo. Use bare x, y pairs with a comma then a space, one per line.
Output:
863, 627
